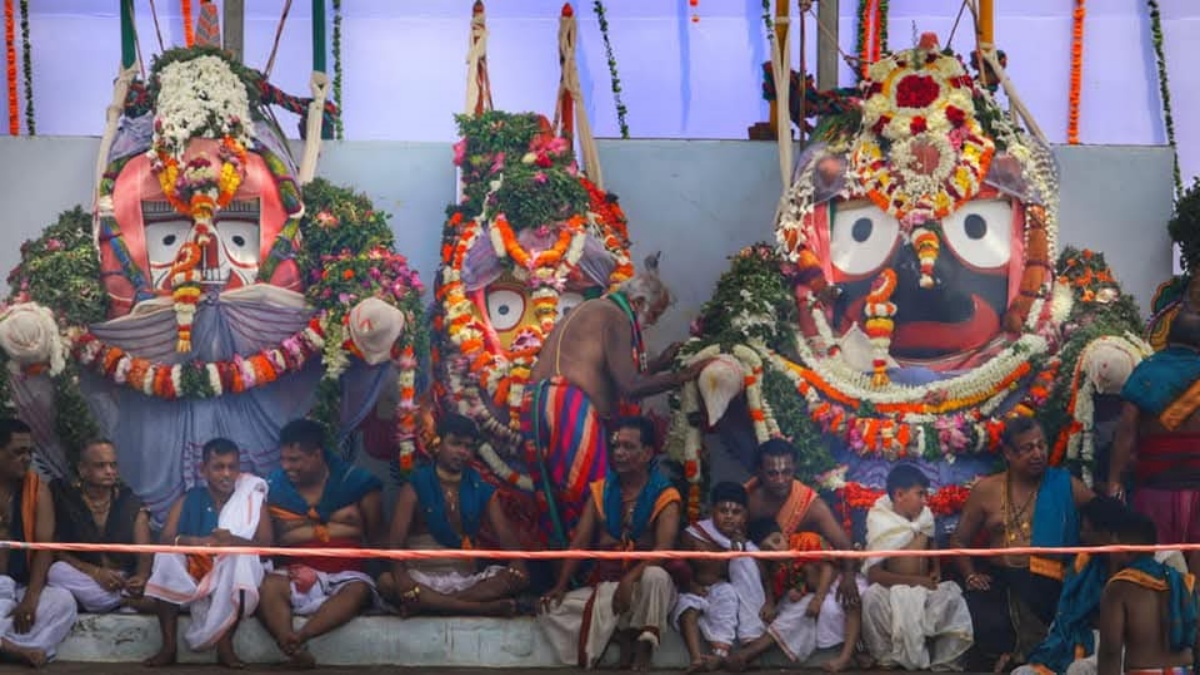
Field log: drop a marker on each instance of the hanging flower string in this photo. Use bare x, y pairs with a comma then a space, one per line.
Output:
1164, 89
27, 66
1076, 73
872, 32
189, 35
10, 61
622, 111
339, 128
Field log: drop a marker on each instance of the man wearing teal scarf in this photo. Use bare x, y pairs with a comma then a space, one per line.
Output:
1148, 613
445, 506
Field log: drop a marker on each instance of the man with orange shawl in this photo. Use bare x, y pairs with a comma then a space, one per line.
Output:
317, 500
633, 508
34, 618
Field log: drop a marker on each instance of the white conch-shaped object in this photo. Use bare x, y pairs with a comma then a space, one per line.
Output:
29, 336
720, 382
858, 352
1108, 361
374, 327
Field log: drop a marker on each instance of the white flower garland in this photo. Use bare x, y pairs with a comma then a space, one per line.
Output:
200, 97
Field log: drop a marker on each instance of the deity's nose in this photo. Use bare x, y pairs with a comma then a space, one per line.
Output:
211, 262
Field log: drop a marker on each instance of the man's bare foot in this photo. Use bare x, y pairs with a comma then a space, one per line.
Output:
301, 659
164, 657
735, 662
643, 652
624, 640
863, 661
289, 644
706, 664
1002, 663
228, 658
35, 658
838, 664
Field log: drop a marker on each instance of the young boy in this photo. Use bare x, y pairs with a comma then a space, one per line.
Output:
935, 629
723, 599
809, 617
1148, 609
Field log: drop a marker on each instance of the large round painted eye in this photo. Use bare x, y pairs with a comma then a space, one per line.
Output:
861, 238
567, 302
980, 233
239, 239
505, 309
163, 240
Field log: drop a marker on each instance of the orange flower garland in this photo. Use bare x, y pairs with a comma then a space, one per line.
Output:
1076, 73
10, 60
189, 34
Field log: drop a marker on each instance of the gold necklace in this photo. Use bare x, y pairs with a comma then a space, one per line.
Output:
1017, 527
97, 507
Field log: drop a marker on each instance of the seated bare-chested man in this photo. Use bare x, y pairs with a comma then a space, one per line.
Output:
1013, 599
592, 361
637, 509
444, 505
317, 500
98, 509
34, 618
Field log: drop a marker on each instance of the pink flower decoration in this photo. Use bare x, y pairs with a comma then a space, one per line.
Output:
540, 177
460, 152
498, 163
54, 245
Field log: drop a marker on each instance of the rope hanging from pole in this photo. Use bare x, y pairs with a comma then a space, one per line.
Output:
570, 113
319, 86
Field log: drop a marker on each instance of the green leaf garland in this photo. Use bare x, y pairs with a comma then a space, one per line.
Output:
1164, 89
61, 270
27, 69
598, 6
339, 129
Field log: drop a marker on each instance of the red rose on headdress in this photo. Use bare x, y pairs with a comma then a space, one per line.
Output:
956, 116
917, 91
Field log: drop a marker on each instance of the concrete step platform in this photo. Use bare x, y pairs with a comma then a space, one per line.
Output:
463, 642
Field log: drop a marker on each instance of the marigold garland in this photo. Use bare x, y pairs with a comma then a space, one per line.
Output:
27, 68
871, 43
1076, 73
10, 62
189, 34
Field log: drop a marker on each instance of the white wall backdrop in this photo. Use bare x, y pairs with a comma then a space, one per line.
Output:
404, 72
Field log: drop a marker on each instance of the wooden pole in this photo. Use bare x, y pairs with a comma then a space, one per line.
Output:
234, 31
827, 45
986, 25
782, 12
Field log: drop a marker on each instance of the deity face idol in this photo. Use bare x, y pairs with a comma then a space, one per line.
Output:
939, 324
507, 307
154, 234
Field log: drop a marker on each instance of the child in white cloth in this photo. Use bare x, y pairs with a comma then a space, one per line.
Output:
912, 618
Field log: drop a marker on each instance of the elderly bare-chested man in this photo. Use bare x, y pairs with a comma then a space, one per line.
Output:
591, 362
1013, 598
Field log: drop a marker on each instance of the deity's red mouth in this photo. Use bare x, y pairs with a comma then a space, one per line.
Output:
945, 338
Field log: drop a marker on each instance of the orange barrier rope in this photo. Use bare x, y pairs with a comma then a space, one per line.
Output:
425, 554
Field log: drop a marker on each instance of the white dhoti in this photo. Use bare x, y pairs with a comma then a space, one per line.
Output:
581, 627
916, 628
55, 615
449, 582
799, 635
90, 595
306, 601
731, 610
911, 626
230, 586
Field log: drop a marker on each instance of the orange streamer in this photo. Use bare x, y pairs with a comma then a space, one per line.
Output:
189, 34
1076, 73
581, 554
10, 61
